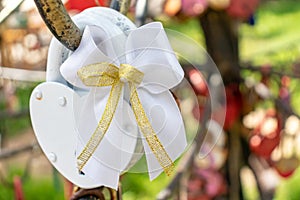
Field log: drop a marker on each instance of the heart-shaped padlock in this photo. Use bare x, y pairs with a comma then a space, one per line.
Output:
54, 104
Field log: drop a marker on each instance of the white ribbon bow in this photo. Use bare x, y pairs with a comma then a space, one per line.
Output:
147, 49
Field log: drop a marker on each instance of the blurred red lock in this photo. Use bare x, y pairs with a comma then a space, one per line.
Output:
266, 137
193, 7
81, 5
242, 9
233, 105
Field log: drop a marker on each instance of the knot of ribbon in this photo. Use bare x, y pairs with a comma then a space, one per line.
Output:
106, 74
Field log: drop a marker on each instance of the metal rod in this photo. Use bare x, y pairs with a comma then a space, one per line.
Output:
124, 6
59, 22
115, 4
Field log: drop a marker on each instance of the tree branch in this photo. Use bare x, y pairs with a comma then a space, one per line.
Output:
4, 154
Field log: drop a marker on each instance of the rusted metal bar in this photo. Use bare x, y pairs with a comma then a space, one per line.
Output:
95, 193
59, 22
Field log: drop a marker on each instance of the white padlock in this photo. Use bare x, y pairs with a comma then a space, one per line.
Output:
54, 105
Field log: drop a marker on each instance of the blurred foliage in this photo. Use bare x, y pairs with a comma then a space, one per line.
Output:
138, 186
33, 189
189, 27
289, 188
13, 126
275, 38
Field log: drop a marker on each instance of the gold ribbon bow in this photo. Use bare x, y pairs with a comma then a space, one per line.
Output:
105, 74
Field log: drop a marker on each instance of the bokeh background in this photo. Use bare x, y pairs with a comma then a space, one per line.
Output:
255, 44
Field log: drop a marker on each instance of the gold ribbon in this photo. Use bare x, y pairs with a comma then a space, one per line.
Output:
105, 74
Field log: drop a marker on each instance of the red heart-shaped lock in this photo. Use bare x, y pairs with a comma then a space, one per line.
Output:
266, 137
263, 146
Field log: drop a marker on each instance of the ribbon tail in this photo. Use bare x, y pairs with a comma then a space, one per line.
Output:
167, 122
102, 126
145, 127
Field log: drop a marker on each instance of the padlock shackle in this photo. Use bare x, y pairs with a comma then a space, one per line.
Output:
59, 22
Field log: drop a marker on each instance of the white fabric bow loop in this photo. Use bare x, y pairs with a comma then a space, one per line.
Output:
147, 49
